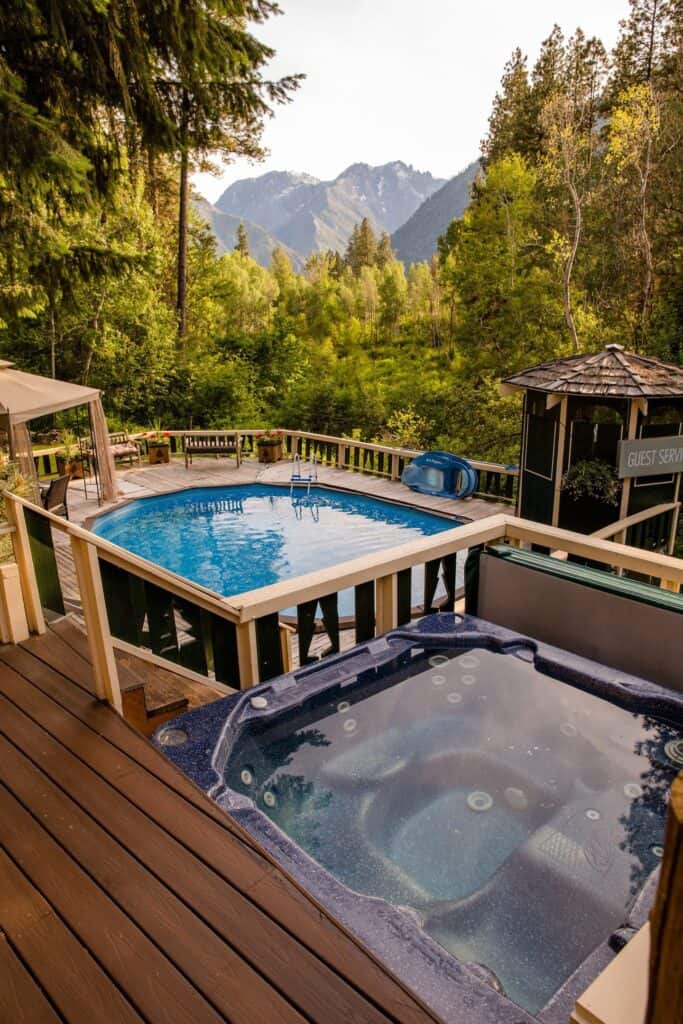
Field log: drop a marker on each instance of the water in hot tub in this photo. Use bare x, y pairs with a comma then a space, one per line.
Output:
516, 815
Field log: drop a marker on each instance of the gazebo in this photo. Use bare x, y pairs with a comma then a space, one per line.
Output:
616, 408
26, 396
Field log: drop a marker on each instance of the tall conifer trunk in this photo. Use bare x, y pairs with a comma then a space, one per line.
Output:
181, 294
183, 204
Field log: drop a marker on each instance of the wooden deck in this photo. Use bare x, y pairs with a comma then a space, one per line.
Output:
146, 480
127, 896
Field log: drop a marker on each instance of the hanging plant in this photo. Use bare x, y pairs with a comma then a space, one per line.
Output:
592, 478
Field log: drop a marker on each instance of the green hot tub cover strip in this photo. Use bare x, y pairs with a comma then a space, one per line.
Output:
598, 579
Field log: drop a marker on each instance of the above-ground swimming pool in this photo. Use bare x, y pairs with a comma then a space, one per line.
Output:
485, 812
239, 538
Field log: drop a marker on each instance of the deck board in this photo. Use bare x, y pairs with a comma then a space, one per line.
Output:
21, 1000
134, 897
209, 963
67, 971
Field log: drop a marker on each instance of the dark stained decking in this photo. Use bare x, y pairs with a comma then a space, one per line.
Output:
127, 896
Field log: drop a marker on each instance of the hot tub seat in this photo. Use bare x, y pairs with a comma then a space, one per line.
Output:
572, 862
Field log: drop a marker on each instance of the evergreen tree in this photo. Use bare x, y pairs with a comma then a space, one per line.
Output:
638, 55
351, 254
509, 128
242, 243
384, 252
362, 248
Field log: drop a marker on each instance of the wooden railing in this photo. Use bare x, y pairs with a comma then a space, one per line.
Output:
653, 529
126, 598
495, 480
241, 640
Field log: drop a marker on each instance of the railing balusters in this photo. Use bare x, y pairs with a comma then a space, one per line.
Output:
269, 648
364, 611
404, 604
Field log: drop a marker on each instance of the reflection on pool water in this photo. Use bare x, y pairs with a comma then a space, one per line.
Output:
233, 539
516, 816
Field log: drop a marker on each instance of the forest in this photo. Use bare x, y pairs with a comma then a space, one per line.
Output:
573, 237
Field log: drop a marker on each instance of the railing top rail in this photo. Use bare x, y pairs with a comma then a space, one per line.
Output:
274, 598
348, 442
150, 571
621, 556
637, 517
408, 453
253, 604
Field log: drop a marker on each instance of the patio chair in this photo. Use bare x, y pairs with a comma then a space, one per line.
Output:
54, 496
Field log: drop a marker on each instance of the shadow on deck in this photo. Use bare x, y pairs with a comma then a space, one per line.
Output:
128, 896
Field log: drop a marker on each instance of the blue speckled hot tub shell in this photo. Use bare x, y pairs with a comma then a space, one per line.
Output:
457, 992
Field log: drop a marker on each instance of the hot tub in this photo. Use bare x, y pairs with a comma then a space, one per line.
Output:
484, 811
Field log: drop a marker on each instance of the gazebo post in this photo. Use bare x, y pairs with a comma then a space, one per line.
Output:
635, 405
21, 452
559, 460
103, 453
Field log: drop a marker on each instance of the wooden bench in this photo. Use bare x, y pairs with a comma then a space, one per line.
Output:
212, 444
121, 446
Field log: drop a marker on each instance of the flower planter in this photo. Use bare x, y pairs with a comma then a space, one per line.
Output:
73, 465
269, 451
158, 452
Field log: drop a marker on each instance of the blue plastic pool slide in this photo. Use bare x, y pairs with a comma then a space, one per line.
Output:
442, 474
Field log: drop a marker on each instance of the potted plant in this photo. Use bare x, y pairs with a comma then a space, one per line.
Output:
269, 445
594, 479
158, 446
70, 459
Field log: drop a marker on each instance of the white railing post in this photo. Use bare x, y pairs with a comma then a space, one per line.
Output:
13, 623
386, 603
27, 572
247, 654
394, 467
106, 675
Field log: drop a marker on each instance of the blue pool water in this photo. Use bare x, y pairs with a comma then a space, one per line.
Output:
233, 539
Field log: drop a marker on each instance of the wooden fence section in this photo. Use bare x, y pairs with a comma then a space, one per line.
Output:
653, 529
495, 480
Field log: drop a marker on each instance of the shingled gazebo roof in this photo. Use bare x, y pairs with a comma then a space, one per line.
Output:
612, 373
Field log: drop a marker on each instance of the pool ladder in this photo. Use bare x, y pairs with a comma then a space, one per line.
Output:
300, 477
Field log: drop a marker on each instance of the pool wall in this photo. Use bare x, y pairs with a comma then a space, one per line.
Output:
455, 991
91, 521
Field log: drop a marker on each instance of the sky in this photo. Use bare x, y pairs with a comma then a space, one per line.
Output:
397, 80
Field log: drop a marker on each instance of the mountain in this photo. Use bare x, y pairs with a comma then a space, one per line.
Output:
270, 199
306, 214
415, 240
224, 227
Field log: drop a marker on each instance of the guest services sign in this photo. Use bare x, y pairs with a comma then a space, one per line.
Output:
651, 457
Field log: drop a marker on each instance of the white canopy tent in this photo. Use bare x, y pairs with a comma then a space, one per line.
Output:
26, 396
